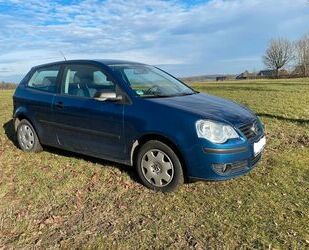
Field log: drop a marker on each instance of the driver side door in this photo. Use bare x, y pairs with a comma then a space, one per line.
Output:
84, 124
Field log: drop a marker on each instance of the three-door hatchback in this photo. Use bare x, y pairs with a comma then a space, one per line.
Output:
138, 115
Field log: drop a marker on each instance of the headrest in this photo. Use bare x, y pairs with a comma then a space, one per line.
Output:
83, 77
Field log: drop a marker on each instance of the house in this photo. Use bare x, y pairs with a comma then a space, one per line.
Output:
246, 75
221, 78
272, 73
267, 73
299, 71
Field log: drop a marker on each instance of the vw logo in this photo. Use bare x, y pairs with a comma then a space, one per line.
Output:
254, 128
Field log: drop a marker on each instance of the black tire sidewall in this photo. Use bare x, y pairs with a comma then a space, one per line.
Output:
36, 146
178, 178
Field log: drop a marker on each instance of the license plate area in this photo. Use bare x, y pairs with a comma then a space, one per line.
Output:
259, 146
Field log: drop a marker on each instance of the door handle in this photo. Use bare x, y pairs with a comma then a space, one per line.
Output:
59, 105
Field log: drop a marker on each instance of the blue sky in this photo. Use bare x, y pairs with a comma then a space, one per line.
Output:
184, 37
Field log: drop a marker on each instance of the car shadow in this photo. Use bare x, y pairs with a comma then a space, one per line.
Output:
10, 133
282, 118
123, 168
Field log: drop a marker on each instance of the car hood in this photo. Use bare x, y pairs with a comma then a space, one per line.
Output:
209, 107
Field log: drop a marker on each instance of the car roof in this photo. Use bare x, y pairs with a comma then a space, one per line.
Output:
106, 62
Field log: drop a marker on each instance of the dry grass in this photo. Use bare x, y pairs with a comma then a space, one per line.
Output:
59, 199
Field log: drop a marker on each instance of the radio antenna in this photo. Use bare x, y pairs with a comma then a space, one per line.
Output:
63, 55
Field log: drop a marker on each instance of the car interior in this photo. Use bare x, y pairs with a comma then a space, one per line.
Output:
87, 83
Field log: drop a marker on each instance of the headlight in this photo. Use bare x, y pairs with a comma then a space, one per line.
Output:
215, 132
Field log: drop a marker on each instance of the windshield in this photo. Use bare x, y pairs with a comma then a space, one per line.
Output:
148, 81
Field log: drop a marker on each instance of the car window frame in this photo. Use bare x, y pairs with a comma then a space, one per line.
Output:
34, 70
126, 99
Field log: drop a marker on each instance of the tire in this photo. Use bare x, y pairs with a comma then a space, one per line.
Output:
27, 138
159, 167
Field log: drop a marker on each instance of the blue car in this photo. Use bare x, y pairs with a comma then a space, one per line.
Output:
138, 115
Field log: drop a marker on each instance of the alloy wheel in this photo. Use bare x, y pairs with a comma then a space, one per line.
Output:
157, 168
26, 137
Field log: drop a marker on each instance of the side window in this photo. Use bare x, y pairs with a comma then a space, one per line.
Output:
100, 78
85, 81
45, 79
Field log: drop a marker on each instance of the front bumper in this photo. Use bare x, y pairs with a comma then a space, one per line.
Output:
222, 163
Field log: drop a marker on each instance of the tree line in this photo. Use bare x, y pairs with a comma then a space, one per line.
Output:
7, 85
282, 52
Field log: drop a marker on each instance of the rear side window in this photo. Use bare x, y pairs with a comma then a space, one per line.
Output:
45, 79
86, 81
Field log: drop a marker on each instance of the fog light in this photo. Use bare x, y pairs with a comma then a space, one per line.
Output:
225, 167
220, 168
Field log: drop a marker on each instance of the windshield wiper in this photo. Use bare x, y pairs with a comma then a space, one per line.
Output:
164, 96
157, 96
192, 93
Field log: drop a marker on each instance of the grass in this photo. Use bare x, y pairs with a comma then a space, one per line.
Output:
60, 199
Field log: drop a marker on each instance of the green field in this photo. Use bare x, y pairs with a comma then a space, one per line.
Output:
60, 199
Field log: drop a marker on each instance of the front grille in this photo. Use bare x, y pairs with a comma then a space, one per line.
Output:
236, 167
250, 130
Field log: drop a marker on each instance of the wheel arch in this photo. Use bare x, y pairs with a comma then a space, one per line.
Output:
18, 118
156, 137
20, 115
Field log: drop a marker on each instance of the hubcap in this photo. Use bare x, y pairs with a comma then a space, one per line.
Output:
26, 137
157, 168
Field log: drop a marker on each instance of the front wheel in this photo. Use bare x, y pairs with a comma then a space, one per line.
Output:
159, 167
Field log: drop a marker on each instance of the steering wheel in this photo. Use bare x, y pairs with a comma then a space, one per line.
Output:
152, 90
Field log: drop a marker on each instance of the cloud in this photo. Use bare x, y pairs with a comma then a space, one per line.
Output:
5, 70
206, 37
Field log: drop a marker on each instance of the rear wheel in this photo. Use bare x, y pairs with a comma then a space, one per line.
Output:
159, 167
27, 138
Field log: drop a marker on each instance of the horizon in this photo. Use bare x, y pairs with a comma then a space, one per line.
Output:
185, 38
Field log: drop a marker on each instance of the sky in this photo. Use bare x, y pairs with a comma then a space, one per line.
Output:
185, 38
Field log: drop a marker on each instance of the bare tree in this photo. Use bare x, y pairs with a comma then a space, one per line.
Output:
278, 54
302, 55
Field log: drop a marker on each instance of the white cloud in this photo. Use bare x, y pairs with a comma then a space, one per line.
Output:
214, 36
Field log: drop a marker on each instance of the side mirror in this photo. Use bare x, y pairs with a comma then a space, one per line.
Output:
107, 96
